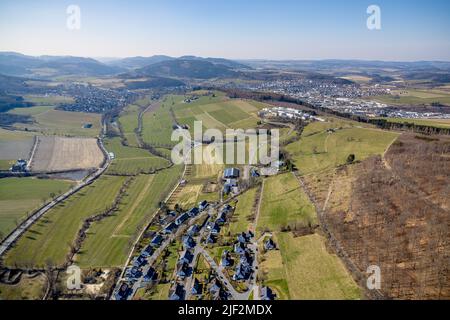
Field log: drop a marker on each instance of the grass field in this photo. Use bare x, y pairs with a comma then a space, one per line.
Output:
331, 123
129, 122
19, 196
438, 123
239, 222
284, 203
218, 113
65, 123
27, 289
131, 160
303, 270
323, 151
32, 111
415, 97
110, 240
48, 100
48, 241
14, 145
157, 127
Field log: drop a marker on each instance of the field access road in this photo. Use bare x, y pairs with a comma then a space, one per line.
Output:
13, 236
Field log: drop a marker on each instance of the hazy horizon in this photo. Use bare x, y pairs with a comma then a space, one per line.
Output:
111, 58
250, 30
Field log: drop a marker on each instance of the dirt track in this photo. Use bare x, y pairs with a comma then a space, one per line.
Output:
61, 153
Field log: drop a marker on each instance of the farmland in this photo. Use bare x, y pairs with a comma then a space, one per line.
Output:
48, 100
48, 241
284, 204
20, 196
415, 97
31, 111
129, 122
324, 150
14, 145
157, 127
131, 160
303, 269
109, 240
64, 123
239, 221
216, 112
60, 153
438, 123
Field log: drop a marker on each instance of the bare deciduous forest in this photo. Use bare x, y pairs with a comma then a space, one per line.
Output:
398, 217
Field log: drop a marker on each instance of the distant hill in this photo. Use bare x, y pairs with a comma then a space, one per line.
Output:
187, 68
138, 62
16, 64
12, 84
219, 61
141, 62
153, 83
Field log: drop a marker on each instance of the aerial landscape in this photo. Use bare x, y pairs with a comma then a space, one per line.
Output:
185, 164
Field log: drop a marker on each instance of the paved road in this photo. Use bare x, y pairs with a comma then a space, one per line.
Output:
12, 238
219, 270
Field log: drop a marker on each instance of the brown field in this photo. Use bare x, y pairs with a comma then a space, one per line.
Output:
61, 153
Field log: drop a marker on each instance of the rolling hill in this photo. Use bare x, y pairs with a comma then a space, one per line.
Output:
187, 68
16, 64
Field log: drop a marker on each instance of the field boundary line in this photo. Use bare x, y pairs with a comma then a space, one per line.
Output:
33, 151
135, 204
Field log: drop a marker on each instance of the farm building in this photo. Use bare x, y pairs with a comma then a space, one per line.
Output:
231, 173
19, 166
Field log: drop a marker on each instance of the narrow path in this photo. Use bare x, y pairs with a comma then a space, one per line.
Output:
330, 191
385, 162
33, 152
258, 210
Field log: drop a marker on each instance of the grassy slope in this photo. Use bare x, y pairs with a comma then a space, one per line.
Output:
131, 160
32, 111
26, 289
303, 269
19, 196
129, 122
314, 273
65, 123
49, 240
415, 97
109, 241
284, 203
438, 123
243, 210
322, 151
157, 125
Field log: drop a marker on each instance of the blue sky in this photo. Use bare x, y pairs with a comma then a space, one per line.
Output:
247, 29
